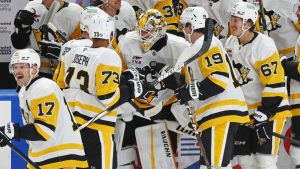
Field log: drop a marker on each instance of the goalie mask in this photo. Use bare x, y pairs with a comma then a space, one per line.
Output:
151, 27
25, 56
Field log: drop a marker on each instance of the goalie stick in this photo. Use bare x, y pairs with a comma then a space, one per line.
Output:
16, 150
204, 49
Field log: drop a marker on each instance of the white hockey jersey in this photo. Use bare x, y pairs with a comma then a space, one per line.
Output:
295, 86
91, 77
260, 73
66, 19
43, 105
133, 56
280, 19
163, 6
72, 44
227, 106
217, 10
125, 20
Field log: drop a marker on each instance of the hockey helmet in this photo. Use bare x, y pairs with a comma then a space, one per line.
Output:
87, 14
101, 27
195, 16
151, 27
28, 56
246, 11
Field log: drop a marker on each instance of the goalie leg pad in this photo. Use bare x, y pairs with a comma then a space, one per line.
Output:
125, 155
295, 155
154, 147
245, 161
265, 161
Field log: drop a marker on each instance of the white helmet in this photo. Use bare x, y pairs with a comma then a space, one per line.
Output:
87, 14
27, 55
195, 16
101, 26
245, 10
153, 22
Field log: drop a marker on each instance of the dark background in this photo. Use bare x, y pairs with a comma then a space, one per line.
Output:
7, 80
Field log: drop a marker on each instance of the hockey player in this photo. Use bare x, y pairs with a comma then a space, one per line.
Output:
123, 14
149, 47
280, 23
28, 30
292, 71
216, 9
219, 105
92, 78
49, 126
83, 40
261, 76
165, 7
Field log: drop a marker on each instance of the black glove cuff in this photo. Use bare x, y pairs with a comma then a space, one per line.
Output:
266, 112
17, 132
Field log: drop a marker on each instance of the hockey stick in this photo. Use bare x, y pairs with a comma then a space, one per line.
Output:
291, 140
58, 32
206, 44
15, 149
296, 142
263, 27
204, 49
52, 11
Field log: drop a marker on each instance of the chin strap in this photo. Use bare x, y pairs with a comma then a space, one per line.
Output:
244, 30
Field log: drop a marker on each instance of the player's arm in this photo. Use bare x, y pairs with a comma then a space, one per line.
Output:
271, 74
291, 68
213, 67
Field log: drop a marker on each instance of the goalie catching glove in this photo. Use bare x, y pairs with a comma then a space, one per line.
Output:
8, 132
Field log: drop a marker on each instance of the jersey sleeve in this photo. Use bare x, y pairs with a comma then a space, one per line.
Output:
214, 67
45, 109
271, 74
107, 81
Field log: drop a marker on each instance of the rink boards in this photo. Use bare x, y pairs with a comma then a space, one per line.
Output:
188, 151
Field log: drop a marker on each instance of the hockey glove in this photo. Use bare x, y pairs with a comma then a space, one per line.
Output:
261, 125
160, 69
143, 90
50, 49
188, 92
24, 19
8, 132
133, 73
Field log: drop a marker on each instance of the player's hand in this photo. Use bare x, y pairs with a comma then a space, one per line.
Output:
261, 125
159, 69
24, 19
8, 132
188, 92
134, 73
143, 90
50, 49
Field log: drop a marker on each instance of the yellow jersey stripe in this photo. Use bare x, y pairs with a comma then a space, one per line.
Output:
55, 149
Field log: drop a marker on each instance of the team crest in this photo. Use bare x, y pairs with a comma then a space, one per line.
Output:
137, 59
271, 18
218, 29
244, 72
